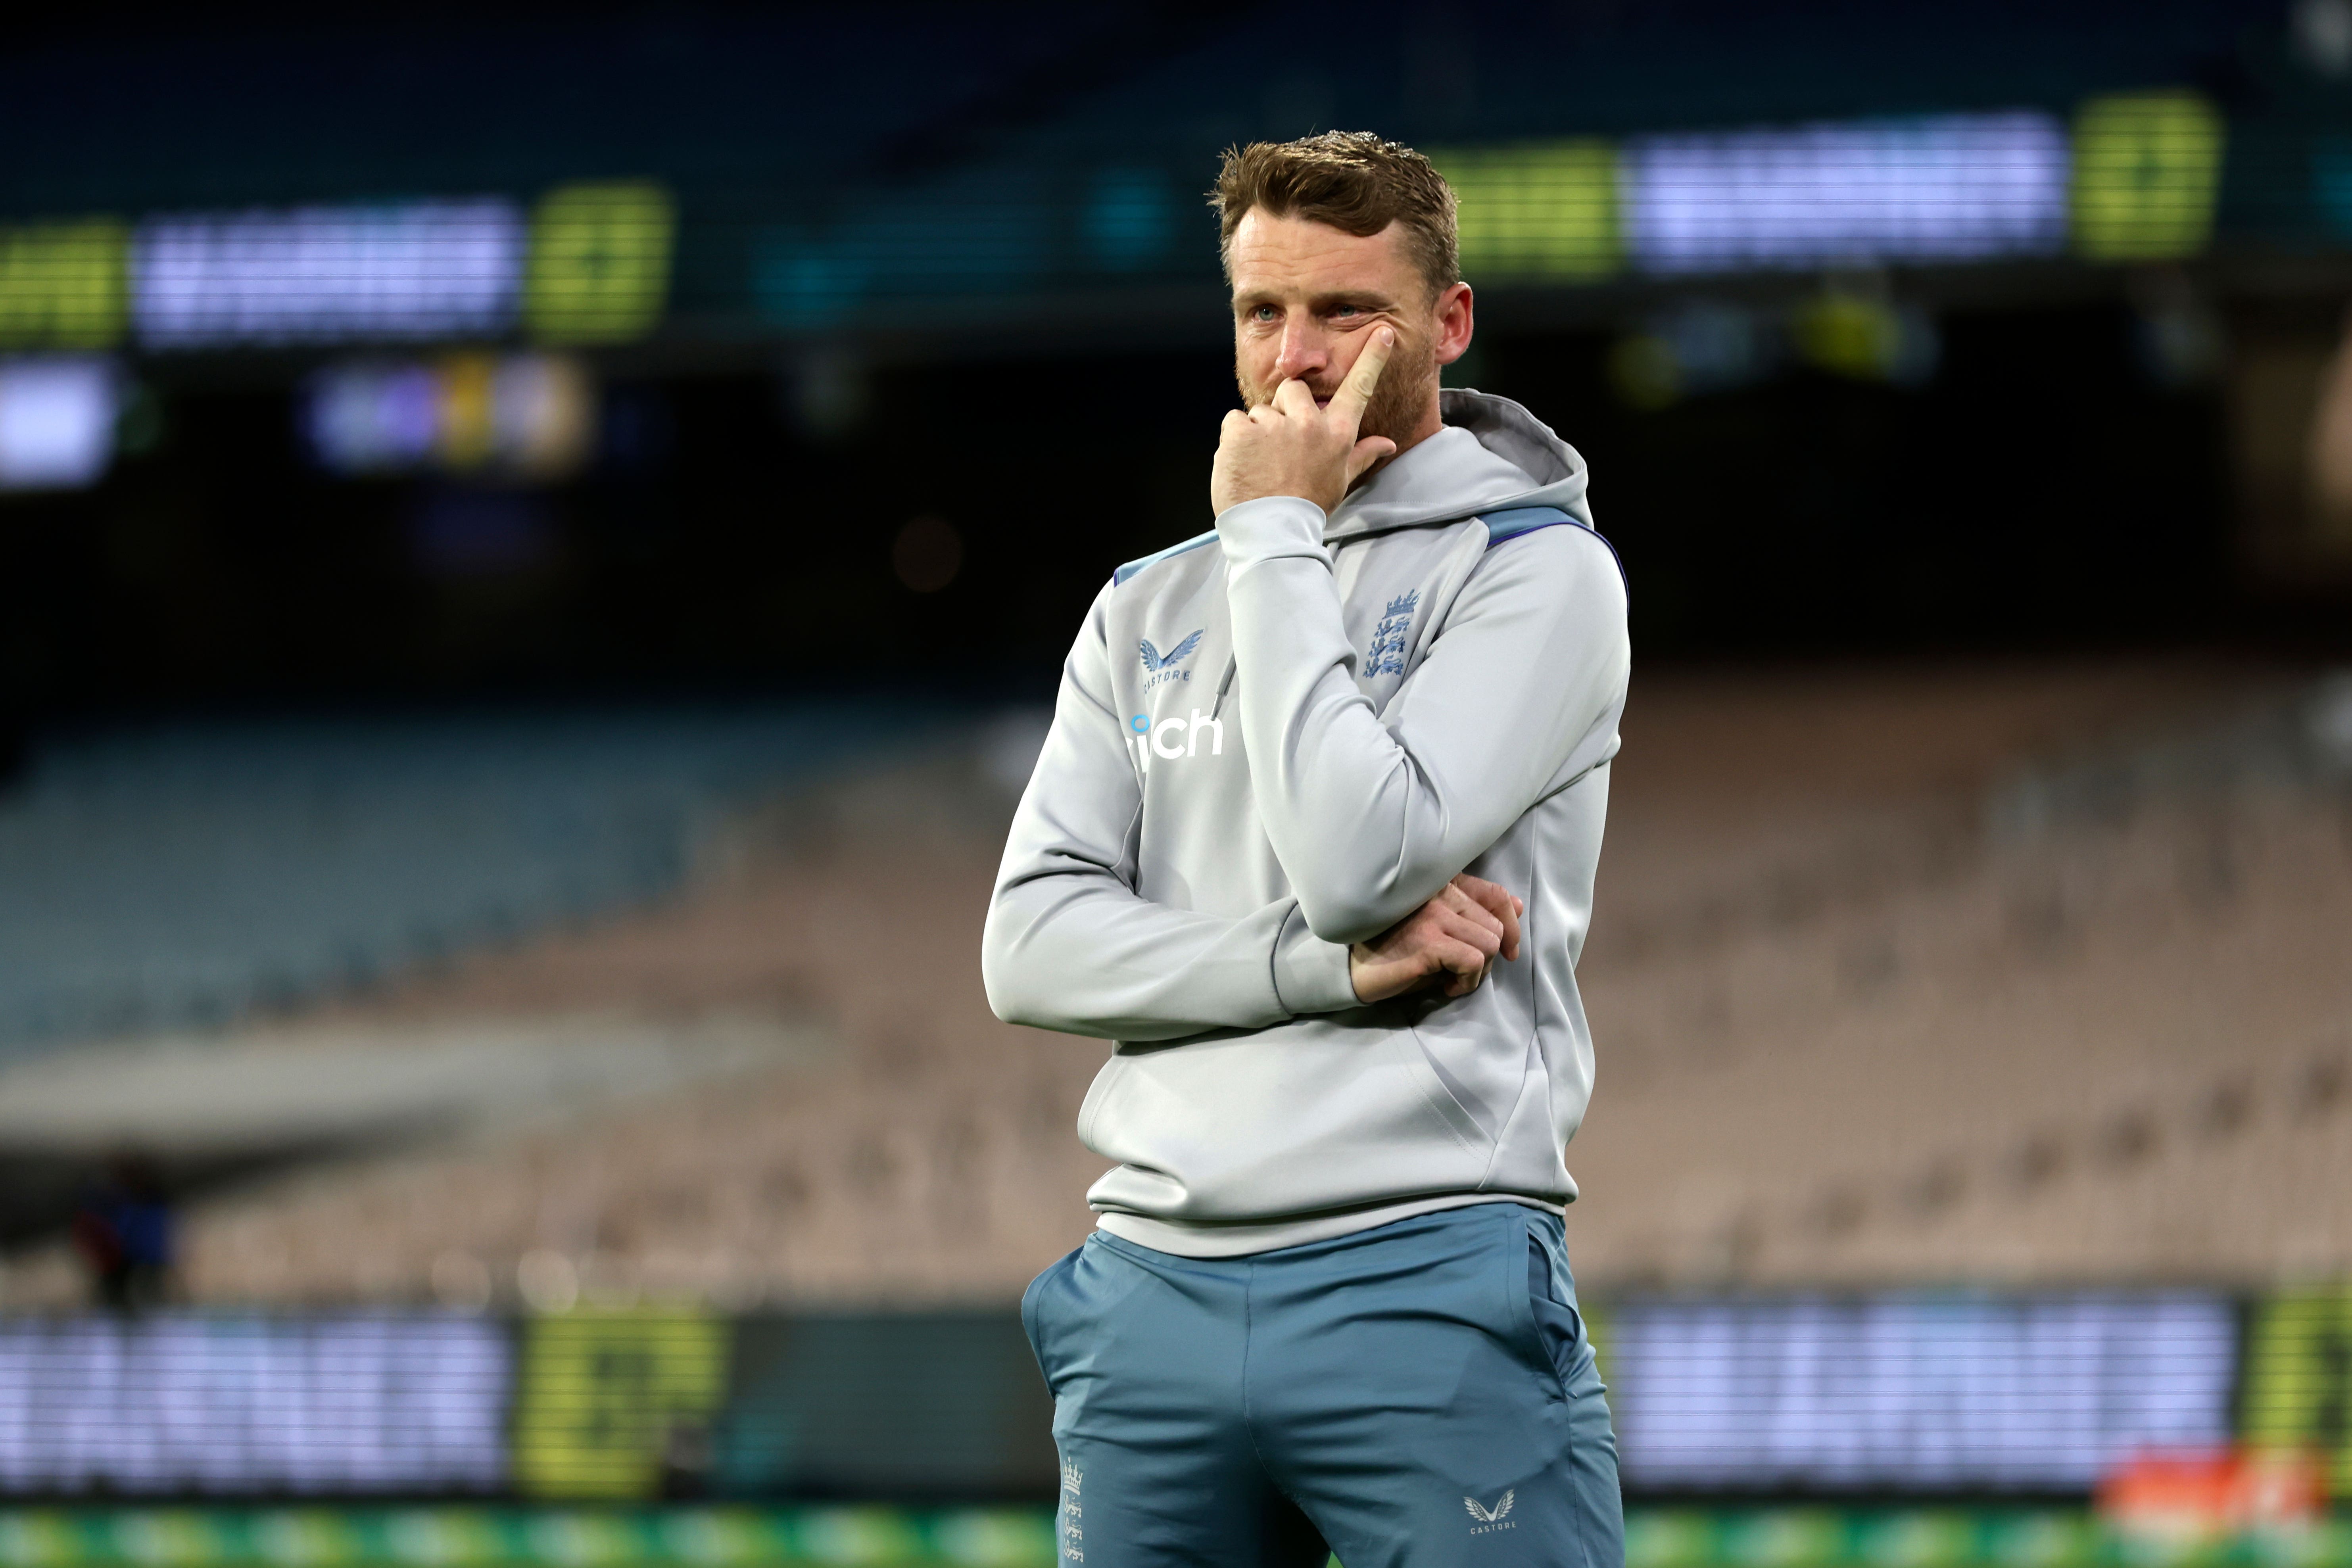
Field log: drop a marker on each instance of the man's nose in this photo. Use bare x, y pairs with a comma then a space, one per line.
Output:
1304, 353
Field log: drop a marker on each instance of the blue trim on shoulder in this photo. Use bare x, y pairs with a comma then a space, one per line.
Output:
1132, 567
1512, 521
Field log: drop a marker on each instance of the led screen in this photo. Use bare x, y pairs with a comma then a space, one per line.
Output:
1542, 210
1951, 188
407, 270
61, 284
183, 1402
373, 418
527, 416
2298, 1382
605, 1394
2147, 170
1915, 1392
600, 259
57, 423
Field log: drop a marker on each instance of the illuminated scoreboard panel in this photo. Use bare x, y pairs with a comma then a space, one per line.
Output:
2136, 178
1911, 1394
186, 1402
401, 270
519, 416
56, 422
1886, 1394
1951, 188
2129, 177
61, 284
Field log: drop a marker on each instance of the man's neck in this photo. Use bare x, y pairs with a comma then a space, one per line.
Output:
1428, 425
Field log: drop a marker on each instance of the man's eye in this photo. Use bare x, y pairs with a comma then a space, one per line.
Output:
1343, 310
1261, 313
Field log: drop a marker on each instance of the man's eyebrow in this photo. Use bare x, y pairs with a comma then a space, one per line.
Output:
1363, 298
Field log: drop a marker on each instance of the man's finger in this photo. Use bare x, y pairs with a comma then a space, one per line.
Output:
1356, 392
1473, 926
1479, 888
1457, 898
1293, 397
1469, 893
1456, 968
1458, 958
1369, 450
1506, 908
1510, 918
1462, 982
1485, 937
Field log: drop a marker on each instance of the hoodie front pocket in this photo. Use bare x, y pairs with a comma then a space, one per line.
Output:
1477, 1047
1439, 1097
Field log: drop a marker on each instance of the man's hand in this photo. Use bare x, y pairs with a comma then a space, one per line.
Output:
1453, 939
1291, 448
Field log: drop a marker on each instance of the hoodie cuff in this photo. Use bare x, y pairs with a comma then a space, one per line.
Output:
1311, 976
1271, 527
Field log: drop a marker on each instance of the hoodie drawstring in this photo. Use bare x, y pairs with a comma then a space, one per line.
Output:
1233, 667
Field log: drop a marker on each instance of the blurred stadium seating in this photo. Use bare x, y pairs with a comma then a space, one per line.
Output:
850, 909
1905, 979
2084, 1020
185, 874
1810, 1087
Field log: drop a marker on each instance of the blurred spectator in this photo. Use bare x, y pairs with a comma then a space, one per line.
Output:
123, 1232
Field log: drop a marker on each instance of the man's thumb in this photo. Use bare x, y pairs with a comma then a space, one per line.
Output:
1368, 450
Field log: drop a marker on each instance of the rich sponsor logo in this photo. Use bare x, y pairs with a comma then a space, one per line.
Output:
1160, 668
1146, 740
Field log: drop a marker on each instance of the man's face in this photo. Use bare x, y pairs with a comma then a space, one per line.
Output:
1308, 296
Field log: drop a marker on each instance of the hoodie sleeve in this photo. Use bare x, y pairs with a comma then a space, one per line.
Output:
1370, 813
1070, 945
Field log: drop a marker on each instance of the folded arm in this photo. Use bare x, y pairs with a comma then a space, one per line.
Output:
1371, 813
1070, 944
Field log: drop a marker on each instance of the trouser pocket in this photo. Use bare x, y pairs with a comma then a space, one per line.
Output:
1552, 1329
1034, 1315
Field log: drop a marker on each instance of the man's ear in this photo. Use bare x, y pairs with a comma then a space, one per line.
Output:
1454, 324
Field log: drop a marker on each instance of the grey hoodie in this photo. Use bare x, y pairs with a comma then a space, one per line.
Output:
1283, 737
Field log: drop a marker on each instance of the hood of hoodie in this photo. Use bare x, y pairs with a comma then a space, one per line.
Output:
1491, 455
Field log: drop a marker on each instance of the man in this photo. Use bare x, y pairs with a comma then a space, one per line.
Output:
1313, 839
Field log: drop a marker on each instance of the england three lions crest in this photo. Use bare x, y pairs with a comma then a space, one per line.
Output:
1390, 639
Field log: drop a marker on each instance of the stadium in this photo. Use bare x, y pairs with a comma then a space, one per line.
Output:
537, 548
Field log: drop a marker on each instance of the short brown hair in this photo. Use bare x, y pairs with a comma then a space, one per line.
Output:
1353, 181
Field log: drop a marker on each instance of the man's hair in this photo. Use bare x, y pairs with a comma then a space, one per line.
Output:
1353, 181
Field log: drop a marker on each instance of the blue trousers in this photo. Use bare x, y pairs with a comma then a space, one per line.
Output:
1418, 1394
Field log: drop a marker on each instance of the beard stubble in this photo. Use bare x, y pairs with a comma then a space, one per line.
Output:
1398, 401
